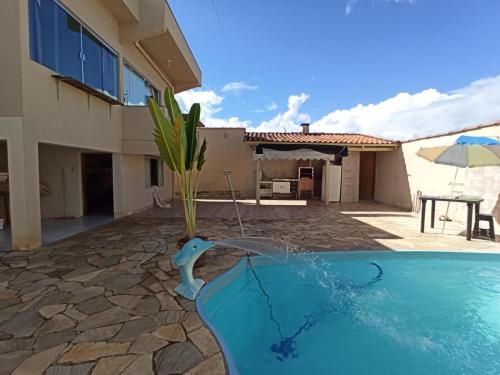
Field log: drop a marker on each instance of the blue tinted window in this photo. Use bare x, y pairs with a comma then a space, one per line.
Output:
110, 72
61, 43
136, 89
68, 47
43, 26
92, 63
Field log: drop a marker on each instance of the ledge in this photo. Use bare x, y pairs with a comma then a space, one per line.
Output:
89, 90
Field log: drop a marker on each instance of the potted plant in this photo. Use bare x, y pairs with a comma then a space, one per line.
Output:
177, 141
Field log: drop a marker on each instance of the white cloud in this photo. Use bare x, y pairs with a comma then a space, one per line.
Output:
406, 116
288, 120
400, 117
210, 103
270, 107
237, 87
349, 6
352, 3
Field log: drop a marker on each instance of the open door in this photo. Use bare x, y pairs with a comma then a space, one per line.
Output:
97, 176
367, 176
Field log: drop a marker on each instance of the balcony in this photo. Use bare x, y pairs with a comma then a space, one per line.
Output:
152, 27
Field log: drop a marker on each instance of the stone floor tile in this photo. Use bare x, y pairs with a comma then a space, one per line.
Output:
177, 358
134, 328
168, 317
192, 321
53, 339
82, 369
94, 305
171, 332
204, 341
55, 324
147, 343
85, 294
107, 317
37, 363
146, 306
143, 365
213, 365
9, 361
167, 302
74, 314
122, 282
113, 365
124, 300
98, 334
22, 324
90, 351
48, 312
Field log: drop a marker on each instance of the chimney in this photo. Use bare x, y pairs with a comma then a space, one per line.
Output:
305, 128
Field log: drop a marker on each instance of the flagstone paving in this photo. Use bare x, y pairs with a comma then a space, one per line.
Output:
103, 301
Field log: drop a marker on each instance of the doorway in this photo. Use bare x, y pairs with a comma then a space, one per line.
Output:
97, 181
367, 167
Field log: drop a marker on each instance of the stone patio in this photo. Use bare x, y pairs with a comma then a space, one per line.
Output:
102, 302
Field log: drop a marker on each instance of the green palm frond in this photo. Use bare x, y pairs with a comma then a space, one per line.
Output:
177, 141
191, 136
201, 155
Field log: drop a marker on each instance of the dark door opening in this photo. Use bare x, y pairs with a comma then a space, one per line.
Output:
97, 176
367, 167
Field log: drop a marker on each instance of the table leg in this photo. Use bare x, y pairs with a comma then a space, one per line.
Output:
433, 212
469, 221
476, 222
422, 217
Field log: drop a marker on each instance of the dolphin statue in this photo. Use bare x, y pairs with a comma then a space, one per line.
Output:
185, 260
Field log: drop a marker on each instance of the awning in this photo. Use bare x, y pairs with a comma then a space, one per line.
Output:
298, 152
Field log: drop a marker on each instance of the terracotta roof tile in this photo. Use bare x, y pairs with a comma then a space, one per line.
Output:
322, 138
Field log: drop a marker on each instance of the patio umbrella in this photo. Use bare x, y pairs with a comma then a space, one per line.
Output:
466, 152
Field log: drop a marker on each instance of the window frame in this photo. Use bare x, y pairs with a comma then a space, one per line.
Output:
128, 65
83, 25
159, 171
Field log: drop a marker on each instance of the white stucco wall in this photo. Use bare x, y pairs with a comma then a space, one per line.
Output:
226, 151
60, 171
129, 184
401, 174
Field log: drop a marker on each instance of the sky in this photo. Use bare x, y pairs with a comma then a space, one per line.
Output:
397, 69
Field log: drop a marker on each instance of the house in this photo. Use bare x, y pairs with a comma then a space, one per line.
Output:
261, 162
75, 136
374, 169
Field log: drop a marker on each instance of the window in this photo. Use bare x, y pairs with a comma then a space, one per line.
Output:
154, 171
59, 42
136, 89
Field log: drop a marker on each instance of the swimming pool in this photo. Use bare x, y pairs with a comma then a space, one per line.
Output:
359, 313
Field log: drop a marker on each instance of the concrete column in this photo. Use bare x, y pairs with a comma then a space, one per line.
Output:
327, 182
350, 178
24, 189
119, 209
257, 183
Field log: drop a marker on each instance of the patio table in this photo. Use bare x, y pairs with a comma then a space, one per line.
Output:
472, 202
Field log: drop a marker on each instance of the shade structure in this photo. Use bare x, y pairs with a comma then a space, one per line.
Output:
467, 152
300, 154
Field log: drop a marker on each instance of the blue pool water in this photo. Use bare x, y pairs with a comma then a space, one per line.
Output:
359, 313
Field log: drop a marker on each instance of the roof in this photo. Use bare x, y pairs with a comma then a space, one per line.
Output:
317, 138
463, 130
